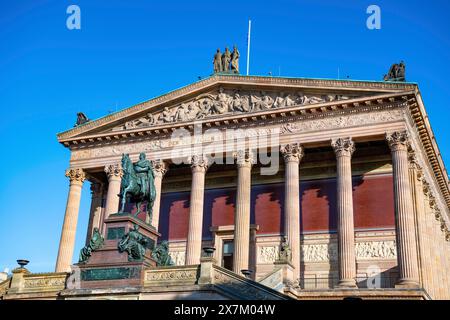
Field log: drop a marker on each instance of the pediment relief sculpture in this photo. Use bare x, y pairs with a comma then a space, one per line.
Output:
227, 102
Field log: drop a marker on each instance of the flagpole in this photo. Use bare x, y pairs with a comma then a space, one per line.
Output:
248, 44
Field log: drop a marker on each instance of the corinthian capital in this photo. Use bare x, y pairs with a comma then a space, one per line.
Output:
198, 162
343, 147
114, 171
398, 140
76, 175
159, 167
245, 157
292, 152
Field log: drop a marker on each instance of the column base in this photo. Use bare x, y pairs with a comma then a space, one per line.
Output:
346, 284
407, 283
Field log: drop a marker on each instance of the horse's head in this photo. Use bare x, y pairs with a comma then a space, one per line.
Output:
126, 162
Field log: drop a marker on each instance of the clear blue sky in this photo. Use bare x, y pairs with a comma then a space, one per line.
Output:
130, 51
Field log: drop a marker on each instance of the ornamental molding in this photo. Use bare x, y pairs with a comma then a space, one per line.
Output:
369, 250
227, 102
268, 254
294, 84
44, 282
322, 252
328, 252
269, 116
165, 142
156, 276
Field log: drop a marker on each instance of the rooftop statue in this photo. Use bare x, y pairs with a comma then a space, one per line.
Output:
134, 244
81, 119
94, 244
396, 72
227, 62
226, 59
217, 62
137, 184
235, 60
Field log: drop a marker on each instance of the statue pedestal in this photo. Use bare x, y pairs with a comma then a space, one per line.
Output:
107, 267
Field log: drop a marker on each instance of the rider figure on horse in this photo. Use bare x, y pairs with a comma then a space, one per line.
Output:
143, 171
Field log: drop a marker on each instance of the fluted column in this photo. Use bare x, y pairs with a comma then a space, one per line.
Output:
244, 161
199, 165
96, 208
159, 169
344, 148
415, 177
292, 154
114, 173
404, 214
67, 241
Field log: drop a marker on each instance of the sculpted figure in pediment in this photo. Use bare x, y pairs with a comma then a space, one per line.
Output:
166, 115
221, 106
181, 113
284, 101
262, 103
240, 103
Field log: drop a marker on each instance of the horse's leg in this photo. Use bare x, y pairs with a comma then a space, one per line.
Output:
138, 205
150, 212
124, 199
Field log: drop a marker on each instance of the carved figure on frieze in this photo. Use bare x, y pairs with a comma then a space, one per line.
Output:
94, 244
240, 103
137, 183
166, 115
282, 101
263, 102
161, 254
134, 244
181, 113
221, 105
217, 62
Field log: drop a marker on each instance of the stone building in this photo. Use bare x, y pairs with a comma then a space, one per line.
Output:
346, 176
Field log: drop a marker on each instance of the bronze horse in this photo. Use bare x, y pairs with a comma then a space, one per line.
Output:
131, 188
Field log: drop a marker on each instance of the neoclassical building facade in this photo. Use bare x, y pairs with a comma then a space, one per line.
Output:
305, 188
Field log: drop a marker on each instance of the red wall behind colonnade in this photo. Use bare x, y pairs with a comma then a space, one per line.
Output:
373, 201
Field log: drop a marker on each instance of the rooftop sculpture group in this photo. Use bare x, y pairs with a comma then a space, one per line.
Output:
396, 72
227, 62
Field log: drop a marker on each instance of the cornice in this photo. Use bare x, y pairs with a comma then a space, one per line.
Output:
361, 104
345, 85
426, 137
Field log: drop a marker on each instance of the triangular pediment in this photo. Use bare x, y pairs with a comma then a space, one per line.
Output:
224, 96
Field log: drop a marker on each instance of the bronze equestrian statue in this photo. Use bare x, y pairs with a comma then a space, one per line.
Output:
137, 184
